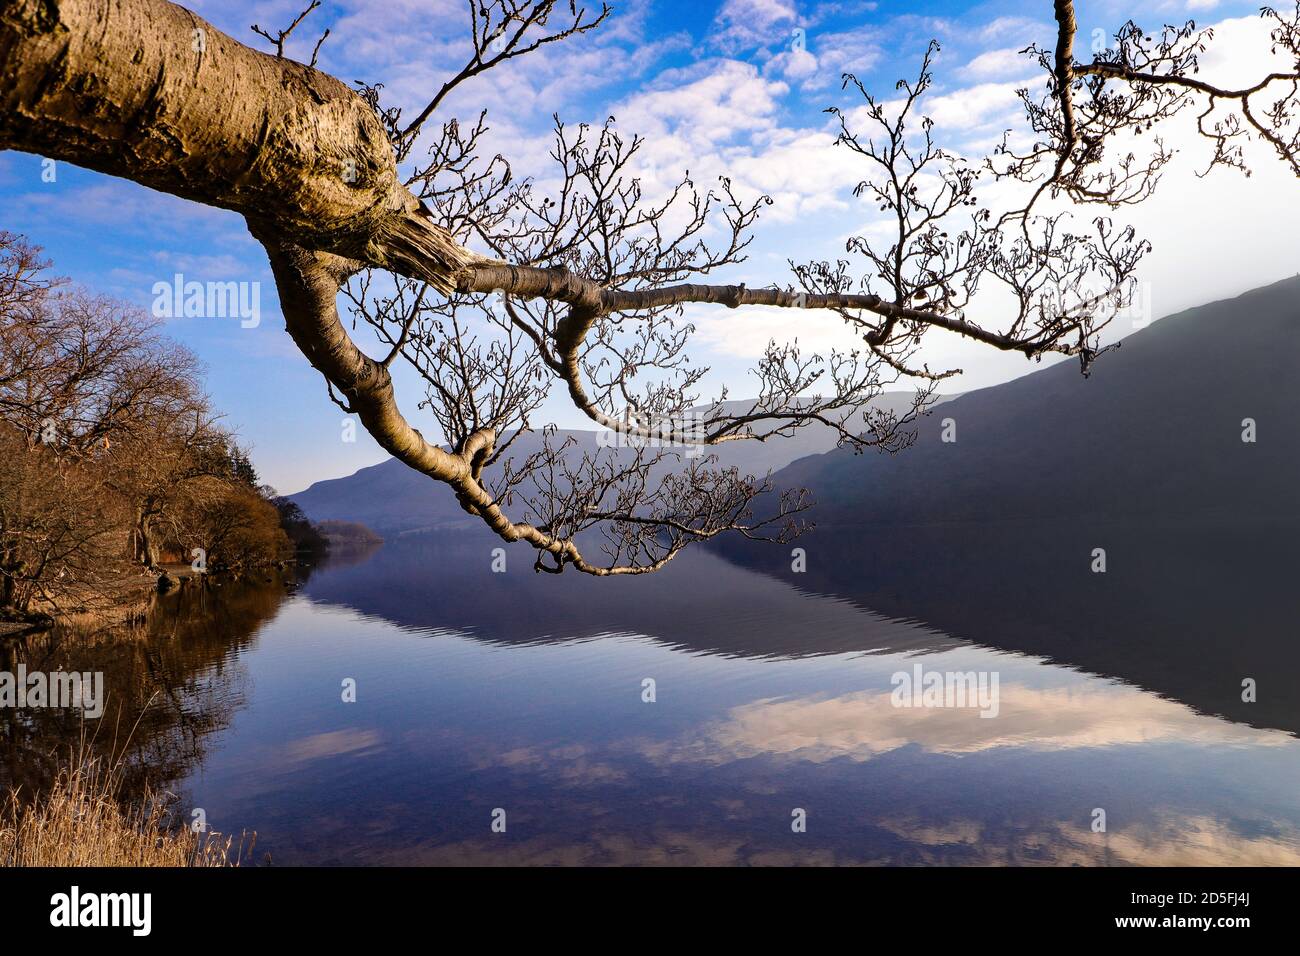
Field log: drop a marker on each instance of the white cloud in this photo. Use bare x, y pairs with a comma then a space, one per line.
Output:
835, 53
982, 105
1012, 30
744, 24
745, 334
749, 121
705, 107
1212, 237
861, 726
1000, 64
798, 64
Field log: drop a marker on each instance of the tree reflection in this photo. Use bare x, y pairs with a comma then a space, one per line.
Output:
171, 681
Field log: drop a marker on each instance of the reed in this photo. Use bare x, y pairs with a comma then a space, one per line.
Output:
82, 820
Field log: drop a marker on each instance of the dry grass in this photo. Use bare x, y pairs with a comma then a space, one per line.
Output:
81, 821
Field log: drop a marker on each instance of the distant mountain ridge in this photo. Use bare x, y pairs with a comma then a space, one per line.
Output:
1154, 433
392, 498
990, 538
994, 538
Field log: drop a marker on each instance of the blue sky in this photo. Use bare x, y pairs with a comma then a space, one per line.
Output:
737, 87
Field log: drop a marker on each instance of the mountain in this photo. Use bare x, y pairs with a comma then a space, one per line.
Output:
392, 498
988, 539
1156, 432
994, 538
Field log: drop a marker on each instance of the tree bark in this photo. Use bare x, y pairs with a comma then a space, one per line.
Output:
145, 551
149, 91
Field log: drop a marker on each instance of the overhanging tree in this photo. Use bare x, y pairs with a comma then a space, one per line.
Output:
504, 289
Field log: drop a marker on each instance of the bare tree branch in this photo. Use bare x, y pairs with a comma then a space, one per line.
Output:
283, 35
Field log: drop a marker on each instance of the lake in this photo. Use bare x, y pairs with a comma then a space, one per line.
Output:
728, 710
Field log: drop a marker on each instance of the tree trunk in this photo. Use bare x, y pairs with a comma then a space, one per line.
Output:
149, 91
144, 548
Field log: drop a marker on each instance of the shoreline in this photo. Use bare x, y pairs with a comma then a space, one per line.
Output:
128, 598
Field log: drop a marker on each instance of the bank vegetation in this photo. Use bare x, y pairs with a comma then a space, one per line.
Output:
113, 461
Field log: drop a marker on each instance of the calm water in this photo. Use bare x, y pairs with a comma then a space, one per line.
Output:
478, 691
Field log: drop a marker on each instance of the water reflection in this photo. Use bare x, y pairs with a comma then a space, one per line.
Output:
478, 691
1188, 611
864, 725
699, 604
172, 684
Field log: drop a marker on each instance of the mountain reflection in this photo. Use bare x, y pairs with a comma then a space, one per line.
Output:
1187, 611
479, 690
700, 603
775, 693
